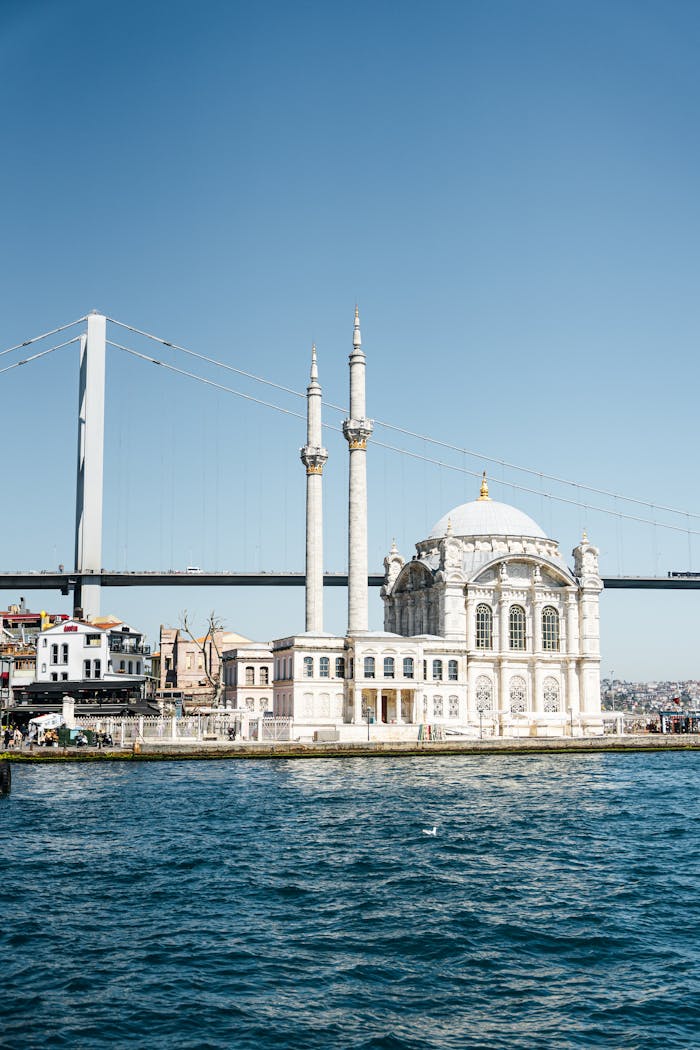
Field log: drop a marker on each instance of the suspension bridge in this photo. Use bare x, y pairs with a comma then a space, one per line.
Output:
88, 576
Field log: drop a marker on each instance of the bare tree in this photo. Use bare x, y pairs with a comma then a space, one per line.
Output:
207, 645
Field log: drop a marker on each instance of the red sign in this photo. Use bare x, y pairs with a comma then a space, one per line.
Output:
70, 627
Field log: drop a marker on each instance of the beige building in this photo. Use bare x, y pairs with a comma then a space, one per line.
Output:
192, 666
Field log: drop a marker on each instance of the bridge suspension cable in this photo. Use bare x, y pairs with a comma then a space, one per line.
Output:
406, 452
505, 464
42, 353
38, 338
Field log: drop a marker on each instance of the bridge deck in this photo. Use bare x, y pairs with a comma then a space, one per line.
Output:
65, 581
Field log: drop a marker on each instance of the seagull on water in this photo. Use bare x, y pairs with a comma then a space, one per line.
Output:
430, 831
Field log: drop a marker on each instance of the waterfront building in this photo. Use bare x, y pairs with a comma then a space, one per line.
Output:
247, 679
91, 663
486, 627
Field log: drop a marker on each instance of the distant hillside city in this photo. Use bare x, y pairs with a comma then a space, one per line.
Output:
649, 697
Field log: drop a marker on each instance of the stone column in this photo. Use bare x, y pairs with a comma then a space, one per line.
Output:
357, 706
314, 456
357, 429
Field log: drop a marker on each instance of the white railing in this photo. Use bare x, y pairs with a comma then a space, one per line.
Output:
126, 730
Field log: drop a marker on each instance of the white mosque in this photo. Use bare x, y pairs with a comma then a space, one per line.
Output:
487, 630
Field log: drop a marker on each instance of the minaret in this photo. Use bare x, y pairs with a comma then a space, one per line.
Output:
313, 456
356, 430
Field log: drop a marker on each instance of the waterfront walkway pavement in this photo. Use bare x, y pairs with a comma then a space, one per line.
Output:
152, 751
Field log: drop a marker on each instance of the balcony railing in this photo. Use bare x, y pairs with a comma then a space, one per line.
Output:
126, 646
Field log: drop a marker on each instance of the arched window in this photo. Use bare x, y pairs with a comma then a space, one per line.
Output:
308, 667
408, 667
550, 693
324, 667
264, 676
250, 676
54, 654
452, 671
369, 667
518, 695
550, 629
484, 627
484, 693
516, 621
437, 670
340, 667
388, 666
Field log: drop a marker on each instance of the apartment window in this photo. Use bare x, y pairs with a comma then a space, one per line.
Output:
484, 627
389, 667
131, 666
324, 667
54, 676
188, 662
408, 667
340, 667
44, 641
550, 629
452, 670
64, 653
54, 654
425, 670
516, 621
369, 667
64, 676
138, 667
437, 670
308, 667
250, 676
96, 668
264, 675
122, 665
92, 639
86, 668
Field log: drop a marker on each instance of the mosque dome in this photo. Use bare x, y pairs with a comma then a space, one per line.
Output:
486, 517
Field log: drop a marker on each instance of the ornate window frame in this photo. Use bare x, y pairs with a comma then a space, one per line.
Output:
483, 692
483, 619
550, 629
517, 627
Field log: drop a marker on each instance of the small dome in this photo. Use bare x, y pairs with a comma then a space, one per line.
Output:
486, 517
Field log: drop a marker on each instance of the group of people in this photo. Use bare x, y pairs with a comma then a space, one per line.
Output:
13, 737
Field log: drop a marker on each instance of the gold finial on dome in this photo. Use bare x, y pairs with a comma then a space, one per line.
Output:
484, 491
584, 538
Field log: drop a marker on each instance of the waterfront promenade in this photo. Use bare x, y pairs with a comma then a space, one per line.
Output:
152, 751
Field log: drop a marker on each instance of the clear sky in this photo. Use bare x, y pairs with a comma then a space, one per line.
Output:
510, 192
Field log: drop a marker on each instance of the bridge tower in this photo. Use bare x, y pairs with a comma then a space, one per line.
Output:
88, 502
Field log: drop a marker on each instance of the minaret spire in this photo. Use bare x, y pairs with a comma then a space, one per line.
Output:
357, 429
314, 456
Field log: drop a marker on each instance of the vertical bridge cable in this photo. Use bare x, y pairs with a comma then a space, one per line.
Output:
428, 459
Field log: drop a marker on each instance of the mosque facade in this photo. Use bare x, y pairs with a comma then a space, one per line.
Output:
487, 629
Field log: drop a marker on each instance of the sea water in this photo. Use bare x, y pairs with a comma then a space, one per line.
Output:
295, 904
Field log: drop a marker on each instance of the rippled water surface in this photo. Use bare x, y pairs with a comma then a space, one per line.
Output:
298, 904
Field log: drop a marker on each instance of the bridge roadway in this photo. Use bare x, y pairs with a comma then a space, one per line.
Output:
65, 581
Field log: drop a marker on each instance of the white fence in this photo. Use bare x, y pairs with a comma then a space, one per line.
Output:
220, 727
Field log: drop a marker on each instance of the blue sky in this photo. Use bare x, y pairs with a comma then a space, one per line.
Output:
508, 190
